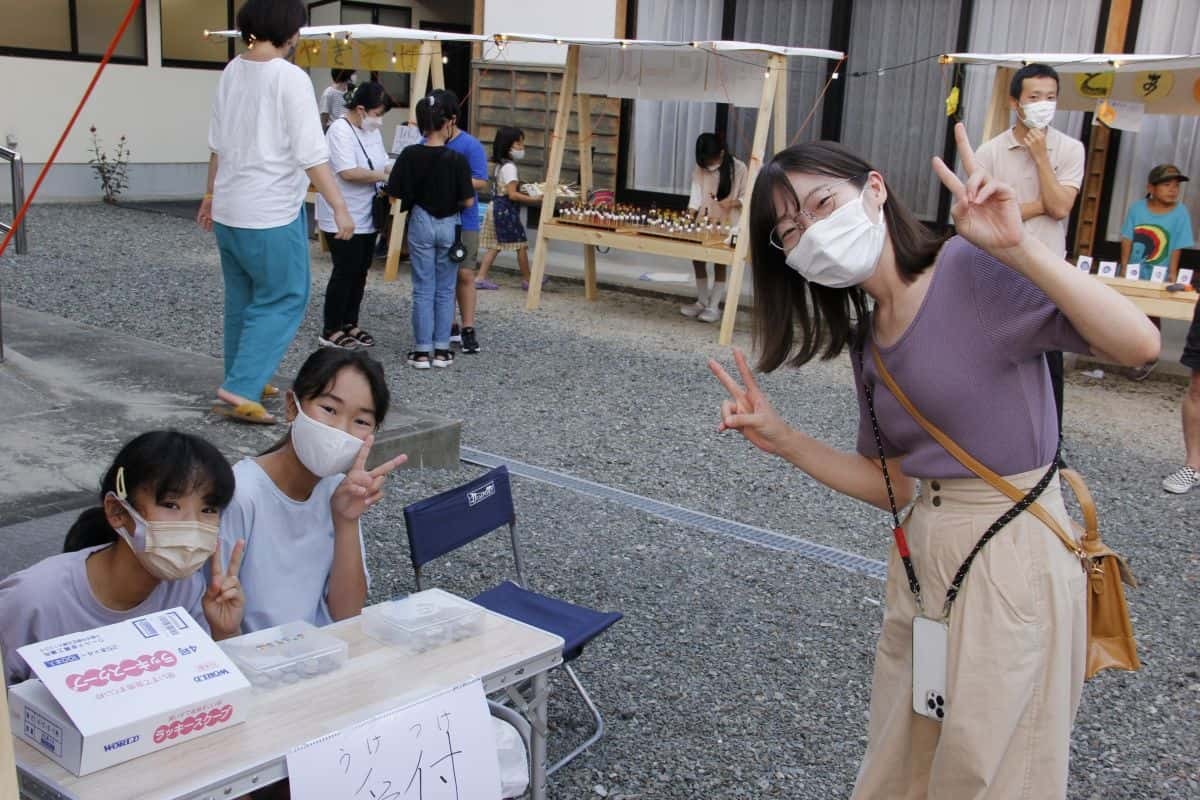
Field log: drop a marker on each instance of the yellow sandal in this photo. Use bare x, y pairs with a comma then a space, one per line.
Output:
249, 412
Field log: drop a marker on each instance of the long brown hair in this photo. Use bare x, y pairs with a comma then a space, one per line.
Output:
826, 319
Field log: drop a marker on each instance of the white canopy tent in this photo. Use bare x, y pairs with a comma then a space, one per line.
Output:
739, 73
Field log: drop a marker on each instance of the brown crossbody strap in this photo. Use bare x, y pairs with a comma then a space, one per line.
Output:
970, 462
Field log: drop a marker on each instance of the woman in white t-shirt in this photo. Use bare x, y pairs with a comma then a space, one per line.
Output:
718, 182
267, 146
359, 160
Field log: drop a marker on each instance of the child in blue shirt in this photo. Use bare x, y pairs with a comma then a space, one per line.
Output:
1157, 227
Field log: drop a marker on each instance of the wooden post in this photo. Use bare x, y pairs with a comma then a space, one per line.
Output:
779, 134
998, 108
585, 185
1098, 141
420, 79
558, 144
776, 65
395, 242
8, 764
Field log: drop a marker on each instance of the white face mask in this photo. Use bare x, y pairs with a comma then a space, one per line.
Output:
841, 250
322, 449
1039, 114
517, 155
169, 551
371, 124
713, 168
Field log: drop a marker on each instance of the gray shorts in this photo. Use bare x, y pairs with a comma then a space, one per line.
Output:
470, 240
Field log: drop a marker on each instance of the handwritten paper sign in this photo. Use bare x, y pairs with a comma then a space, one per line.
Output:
405, 135
1185, 276
441, 748
1159, 275
1084, 264
1133, 271
1108, 269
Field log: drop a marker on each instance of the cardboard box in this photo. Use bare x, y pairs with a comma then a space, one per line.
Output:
114, 693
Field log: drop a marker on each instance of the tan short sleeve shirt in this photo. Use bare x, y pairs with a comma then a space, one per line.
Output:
1009, 160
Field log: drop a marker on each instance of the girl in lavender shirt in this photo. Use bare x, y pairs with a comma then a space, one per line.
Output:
138, 552
962, 326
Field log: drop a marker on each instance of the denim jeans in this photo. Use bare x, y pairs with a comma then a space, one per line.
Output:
434, 277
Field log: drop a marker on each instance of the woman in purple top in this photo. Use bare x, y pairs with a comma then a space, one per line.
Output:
962, 326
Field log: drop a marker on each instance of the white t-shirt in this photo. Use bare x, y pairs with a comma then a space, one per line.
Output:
345, 153
289, 548
54, 597
506, 173
265, 131
333, 102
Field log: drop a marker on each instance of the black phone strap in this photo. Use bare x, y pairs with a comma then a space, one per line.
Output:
910, 571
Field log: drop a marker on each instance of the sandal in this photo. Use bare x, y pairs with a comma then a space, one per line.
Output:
443, 358
249, 412
359, 335
339, 339
419, 359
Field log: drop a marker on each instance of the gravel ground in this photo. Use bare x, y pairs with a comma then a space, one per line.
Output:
737, 672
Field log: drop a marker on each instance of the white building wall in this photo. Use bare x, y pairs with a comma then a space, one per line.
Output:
164, 112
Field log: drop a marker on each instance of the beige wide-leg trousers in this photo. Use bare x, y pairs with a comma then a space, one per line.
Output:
1016, 656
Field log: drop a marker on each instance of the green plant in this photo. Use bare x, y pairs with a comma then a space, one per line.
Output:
113, 173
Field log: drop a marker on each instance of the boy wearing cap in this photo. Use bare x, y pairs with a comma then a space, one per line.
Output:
1158, 226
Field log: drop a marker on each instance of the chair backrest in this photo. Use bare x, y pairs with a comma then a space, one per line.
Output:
445, 522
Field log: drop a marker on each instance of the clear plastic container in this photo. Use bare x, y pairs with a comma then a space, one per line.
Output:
423, 621
285, 654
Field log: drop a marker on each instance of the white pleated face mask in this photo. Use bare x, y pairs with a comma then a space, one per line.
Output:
1039, 114
841, 250
322, 449
169, 550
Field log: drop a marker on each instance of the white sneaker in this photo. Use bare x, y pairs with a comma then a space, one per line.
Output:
1181, 480
710, 314
694, 310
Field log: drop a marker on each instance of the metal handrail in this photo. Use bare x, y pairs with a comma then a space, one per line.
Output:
18, 198
18, 195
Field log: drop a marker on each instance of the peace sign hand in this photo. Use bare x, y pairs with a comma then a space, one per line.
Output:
224, 602
748, 410
361, 488
985, 210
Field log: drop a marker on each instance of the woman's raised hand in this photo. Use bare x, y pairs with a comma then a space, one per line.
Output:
361, 488
985, 210
748, 411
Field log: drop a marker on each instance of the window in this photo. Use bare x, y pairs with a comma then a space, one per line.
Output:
183, 23
333, 12
71, 29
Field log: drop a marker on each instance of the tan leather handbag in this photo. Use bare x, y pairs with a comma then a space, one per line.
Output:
1110, 632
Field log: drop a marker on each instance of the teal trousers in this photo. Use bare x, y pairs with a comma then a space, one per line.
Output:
266, 275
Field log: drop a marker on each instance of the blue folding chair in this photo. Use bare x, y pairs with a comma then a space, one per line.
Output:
441, 524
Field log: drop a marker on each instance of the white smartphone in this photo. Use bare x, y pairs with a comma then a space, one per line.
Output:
929, 668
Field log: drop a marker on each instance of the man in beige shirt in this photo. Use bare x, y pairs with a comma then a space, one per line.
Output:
1045, 168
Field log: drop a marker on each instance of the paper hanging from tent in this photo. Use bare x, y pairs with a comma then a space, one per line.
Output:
1120, 114
365, 54
405, 135
438, 749
687, 74
1159, 91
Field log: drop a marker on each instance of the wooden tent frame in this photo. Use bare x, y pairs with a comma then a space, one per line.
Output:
1151, 299
772, 108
